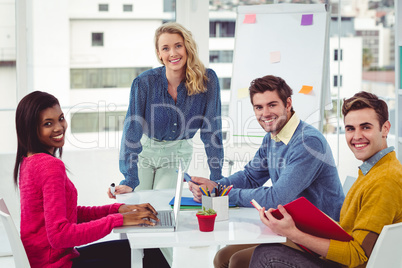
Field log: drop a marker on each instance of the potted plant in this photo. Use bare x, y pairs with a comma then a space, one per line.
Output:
206, 219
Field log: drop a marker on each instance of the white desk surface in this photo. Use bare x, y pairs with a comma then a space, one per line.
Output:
243, 227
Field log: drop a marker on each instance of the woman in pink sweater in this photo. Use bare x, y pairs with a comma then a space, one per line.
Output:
52, 224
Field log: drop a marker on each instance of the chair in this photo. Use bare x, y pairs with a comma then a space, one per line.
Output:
348, 183
20, 256
387, 251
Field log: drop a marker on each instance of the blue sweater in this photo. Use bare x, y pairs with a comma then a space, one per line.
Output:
152, 111
304, 167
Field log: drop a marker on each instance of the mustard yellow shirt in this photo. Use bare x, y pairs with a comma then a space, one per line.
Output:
374, 200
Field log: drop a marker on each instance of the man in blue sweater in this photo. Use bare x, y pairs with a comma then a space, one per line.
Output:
294, 155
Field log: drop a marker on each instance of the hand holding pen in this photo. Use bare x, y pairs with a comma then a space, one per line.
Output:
219, 190
194, 187
114, 189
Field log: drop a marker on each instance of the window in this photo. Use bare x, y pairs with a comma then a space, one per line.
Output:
104, 77
225, 110
103, 7
128, 8
94, 122
221, 56
169, 5
222, 28
336, 80
336, 56
97, 39
224, 83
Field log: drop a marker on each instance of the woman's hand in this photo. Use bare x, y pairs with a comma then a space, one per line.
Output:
204, 183
138, 214
119, 189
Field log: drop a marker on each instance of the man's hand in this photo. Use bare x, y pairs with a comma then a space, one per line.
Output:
204, 183
285, 226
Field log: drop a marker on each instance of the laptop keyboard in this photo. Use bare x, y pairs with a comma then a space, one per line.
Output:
165, 218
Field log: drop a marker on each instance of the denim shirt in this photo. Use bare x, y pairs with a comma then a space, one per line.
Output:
303, 167
370, 163
153, 112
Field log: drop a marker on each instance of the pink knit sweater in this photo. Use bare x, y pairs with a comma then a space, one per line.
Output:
51, 222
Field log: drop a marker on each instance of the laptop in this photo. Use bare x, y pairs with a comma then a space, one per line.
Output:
169, 219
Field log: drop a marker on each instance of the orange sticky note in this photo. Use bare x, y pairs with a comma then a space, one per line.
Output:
249, 18
306, 89
275, 56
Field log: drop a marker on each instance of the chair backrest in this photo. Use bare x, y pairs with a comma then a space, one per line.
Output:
20, 256
348, 183
387, 251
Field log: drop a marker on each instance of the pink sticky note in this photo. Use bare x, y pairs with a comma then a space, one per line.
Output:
306, 89
275, 56
249, 18
307, 19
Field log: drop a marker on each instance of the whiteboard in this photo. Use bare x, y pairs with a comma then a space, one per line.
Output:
271, 40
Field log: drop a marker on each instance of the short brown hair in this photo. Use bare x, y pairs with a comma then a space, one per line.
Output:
364, 100
271, 83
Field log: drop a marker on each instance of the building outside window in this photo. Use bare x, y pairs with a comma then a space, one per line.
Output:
94, 122
336, 80
337, 55
222, 28
103, 7
97, 39
128, 8
104, 77
224, 83
221, 56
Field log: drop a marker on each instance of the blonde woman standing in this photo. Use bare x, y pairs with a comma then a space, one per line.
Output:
168, 105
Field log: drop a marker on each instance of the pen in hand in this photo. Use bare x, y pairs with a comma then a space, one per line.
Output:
112, 189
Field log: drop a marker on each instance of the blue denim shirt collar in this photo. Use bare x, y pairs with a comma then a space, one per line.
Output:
370, 163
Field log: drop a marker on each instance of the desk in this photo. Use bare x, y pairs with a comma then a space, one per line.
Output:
243, 227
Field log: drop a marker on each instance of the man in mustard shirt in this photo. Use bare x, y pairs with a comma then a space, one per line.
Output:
374, 200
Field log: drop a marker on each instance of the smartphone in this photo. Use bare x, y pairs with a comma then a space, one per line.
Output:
187, 178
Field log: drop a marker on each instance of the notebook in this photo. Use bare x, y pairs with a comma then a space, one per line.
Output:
309, 219
169, 219
189, 203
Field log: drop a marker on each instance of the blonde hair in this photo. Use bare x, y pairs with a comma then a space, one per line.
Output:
196, 77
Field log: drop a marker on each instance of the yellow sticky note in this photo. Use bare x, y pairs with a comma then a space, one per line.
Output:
306, 89
242, 93
275, 56
249, 18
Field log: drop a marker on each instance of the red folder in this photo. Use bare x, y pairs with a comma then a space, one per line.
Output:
309, 219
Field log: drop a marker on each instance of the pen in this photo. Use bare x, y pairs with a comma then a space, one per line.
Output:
224, 192
112, 189
228, 189
203, 191
208, 193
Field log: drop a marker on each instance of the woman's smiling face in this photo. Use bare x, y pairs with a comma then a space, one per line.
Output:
52, 128
172, 52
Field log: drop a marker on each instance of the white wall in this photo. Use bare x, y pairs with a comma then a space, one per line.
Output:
141, 9
127, 43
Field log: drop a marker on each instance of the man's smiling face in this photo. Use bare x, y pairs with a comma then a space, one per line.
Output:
364, 135
270, 111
